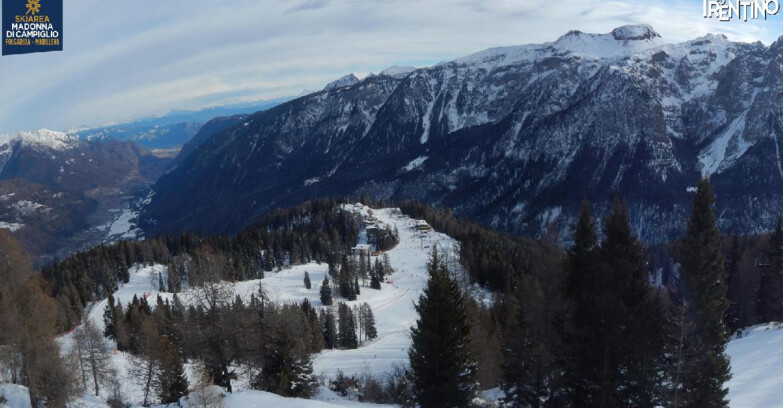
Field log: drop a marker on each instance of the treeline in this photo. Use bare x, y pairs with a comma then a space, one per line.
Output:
494, 259
272, 343
312, 232
754, 274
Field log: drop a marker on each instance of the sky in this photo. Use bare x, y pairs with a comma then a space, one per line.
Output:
124, 60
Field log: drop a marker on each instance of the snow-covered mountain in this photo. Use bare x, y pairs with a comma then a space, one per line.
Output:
42, 138
514, 136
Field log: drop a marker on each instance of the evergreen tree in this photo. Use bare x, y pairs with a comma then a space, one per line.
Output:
326, 292
588, 354
173, 383
287, 371
617, 334
375, 283
769, 303
109, 318
701, 268
346, 337
329, 329
120, 328
370, 331
525, 371
307, 283
387, 268
733, 284
378, 269
442, 372
638, 348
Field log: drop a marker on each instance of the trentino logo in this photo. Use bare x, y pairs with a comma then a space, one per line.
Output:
32, 26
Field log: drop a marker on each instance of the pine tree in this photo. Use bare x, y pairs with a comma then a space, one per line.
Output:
638, 349
346, 337
287, 371
525, 373
173, 383
329, 329
307, 283
109, 318
769, 304
588, 354
326, 292
375, 283
120, 328
442, 372
378, 269
733, 284
701, 268
370, 331
387, 268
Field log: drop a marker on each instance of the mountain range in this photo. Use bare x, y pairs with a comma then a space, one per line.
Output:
515, 137
173, 129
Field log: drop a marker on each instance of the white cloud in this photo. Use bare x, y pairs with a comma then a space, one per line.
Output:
124, 59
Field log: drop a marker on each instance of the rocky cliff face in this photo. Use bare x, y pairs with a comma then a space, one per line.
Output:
515, 137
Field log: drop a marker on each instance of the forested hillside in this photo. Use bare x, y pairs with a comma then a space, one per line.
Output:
539, 324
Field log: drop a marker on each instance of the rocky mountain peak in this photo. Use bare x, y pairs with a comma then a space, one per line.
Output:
635, 33
346, 80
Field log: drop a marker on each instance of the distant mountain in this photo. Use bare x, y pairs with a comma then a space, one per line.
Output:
515, 137
173, 129
55, 190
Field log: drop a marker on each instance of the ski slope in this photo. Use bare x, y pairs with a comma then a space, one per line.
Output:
393, 305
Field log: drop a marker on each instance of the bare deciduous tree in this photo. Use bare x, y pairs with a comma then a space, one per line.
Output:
92, 355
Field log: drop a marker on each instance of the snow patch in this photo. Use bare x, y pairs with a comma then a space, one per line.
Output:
41, 138
414, 164
756, 359
398, 71
11, 226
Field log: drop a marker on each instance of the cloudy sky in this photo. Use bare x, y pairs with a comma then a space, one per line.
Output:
129, 59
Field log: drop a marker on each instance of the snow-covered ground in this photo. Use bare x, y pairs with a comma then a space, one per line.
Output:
756, 361
122, 226
393, 305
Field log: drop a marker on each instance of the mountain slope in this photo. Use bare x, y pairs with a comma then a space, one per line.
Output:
512, 136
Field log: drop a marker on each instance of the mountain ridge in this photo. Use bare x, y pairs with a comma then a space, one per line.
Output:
514, 137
